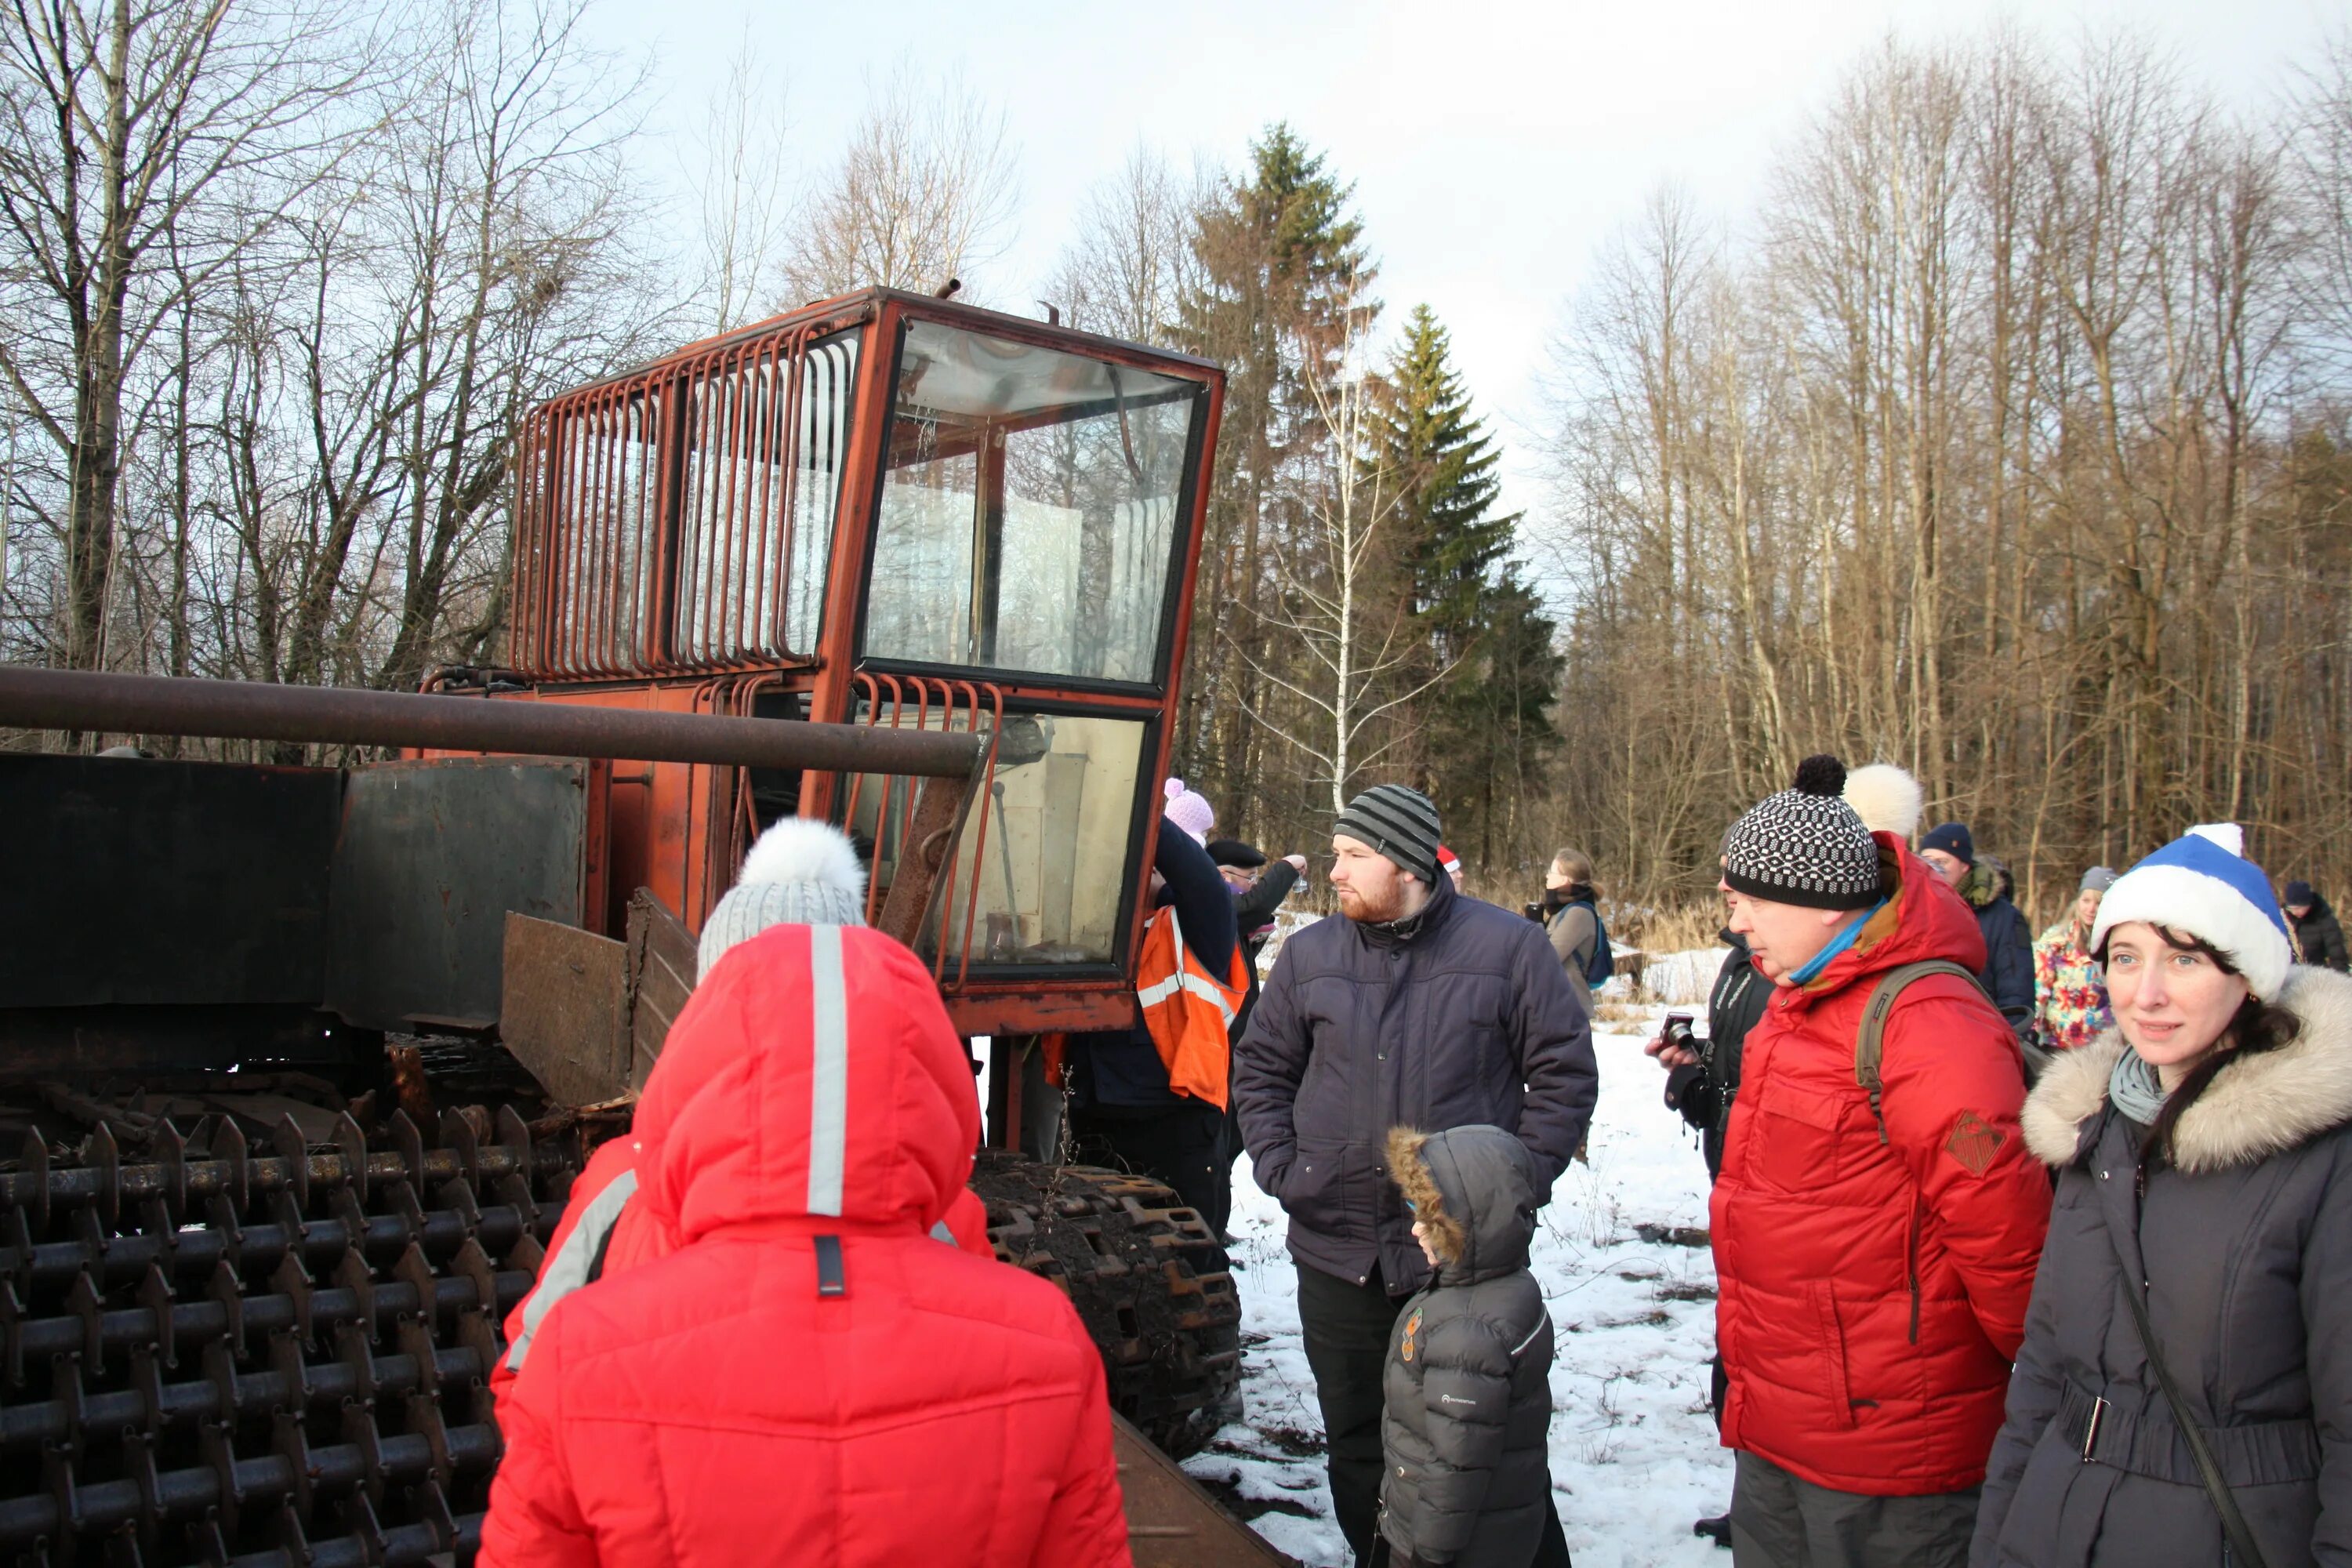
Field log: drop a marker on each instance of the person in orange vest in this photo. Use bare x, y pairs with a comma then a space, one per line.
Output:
1151, 1099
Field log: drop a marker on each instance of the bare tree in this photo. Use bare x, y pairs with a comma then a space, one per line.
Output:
1131, 261
738, 170
1336, 629
128, 124
923, 193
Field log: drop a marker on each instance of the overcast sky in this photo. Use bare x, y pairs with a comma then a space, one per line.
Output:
1491, 145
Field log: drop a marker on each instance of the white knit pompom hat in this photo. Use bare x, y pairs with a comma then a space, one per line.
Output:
801, 872
2201, 884
1887, 799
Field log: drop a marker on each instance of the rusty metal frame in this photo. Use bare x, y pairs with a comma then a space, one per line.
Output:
258, 710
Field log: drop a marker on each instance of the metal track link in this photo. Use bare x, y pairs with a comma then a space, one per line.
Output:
215, 1355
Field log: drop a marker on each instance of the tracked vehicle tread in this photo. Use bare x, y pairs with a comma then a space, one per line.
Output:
1151, 1282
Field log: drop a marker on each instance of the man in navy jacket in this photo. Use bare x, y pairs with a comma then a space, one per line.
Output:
1415, 1007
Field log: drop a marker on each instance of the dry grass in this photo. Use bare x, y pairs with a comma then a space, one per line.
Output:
1676, 930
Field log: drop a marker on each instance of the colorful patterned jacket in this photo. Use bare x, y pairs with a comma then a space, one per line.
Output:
2070, 990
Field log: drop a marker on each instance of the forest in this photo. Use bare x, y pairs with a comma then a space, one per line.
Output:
2005, 433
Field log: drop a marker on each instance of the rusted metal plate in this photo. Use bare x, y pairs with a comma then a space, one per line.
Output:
431, 858
562, 1007
662, 961
139, 882
1112, 1006
1171, 1522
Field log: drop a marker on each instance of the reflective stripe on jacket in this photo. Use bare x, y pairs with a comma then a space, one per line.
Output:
1188, 1010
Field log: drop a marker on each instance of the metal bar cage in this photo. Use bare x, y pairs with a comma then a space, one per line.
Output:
680, 519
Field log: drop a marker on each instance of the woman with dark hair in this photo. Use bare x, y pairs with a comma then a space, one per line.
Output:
2184, 1393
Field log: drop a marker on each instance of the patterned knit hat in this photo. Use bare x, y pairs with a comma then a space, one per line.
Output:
2202, 885
801, 872
1191, 812
1397, 822
1805, 846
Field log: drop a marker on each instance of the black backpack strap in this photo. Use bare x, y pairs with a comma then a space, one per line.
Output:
1870, 1044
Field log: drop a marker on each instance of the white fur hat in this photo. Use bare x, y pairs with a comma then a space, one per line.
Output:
2201, 884
801, 872
1887, 799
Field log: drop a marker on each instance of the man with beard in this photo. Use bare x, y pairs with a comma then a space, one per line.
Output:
1414, 1005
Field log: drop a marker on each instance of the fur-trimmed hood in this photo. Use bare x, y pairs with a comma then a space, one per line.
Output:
2258, 1106
1473, 1191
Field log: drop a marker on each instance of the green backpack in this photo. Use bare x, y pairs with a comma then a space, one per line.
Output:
1870, 1045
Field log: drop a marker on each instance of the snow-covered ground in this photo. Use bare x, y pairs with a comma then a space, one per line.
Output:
1634, 1452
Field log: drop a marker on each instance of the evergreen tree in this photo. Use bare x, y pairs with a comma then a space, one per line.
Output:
1486, 655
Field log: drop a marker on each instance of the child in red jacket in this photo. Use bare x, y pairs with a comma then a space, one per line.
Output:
809, 1366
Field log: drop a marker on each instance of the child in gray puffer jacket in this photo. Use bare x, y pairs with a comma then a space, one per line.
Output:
1467, 1387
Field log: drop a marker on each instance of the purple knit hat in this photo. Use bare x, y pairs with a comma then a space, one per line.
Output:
1189, 811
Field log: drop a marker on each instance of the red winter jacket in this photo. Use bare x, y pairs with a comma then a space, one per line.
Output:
603, 1231
1871, 1295
810, 1377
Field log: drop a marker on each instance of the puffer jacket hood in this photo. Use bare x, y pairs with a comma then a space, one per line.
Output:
1473, 1191
761, 1110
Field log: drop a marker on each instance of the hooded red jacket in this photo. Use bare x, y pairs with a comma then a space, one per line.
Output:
809, 1376
1871, 1295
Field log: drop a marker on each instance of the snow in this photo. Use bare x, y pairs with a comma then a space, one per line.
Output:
1634, 1452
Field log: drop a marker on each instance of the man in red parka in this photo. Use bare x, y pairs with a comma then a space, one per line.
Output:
810, 1375
1873, 1280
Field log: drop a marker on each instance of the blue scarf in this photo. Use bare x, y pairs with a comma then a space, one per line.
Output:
1843, 940
2136, 1089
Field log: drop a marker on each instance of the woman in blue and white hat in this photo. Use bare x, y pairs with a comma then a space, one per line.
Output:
2204, 1152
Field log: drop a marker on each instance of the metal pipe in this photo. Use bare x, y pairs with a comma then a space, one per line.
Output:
259, 711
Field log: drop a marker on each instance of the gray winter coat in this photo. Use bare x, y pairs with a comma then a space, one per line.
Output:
1467, 1389
2246, 1248
1575, 932
1461, 1015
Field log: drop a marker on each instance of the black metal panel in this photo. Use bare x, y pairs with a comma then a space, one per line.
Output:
431, 858
134, 881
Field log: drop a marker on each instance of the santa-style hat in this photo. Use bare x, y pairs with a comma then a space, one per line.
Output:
2201, 885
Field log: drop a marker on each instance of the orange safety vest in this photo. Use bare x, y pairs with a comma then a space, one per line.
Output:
1187, 1009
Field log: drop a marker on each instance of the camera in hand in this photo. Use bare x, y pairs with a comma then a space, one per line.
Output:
1534, 912
1677, 1031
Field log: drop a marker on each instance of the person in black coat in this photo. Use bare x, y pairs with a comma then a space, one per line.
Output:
1258, 891
2316, 935
2204, 1156
1701, 1082
2008, 973
1122, 1111
1415, 1004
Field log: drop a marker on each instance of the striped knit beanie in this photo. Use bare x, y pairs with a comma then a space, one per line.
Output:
1805, 844
1397, 822
2202, 885
801, 872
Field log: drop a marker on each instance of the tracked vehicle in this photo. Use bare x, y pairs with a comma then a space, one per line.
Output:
297, 1062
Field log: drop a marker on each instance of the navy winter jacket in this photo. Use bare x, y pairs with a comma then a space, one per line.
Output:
2008, 974
1459, 1016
